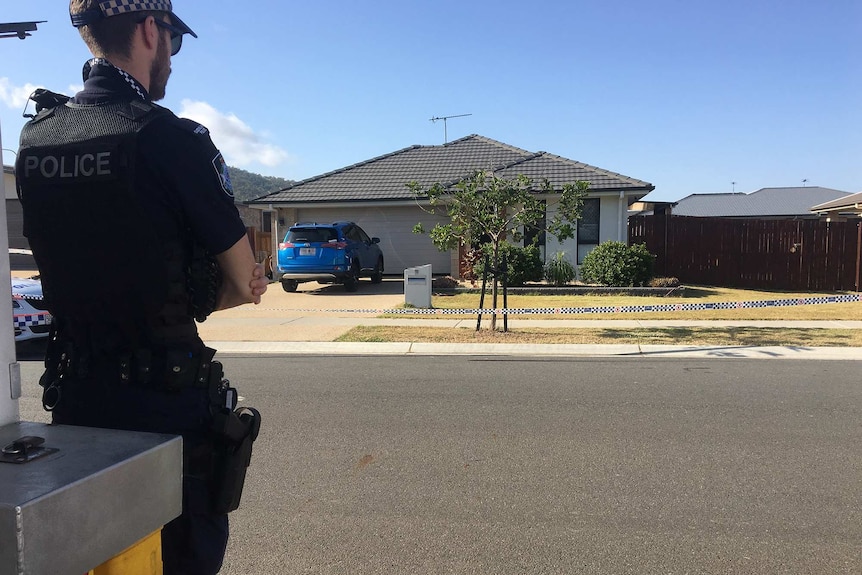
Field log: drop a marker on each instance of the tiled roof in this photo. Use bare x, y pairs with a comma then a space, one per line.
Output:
766, 202
559, 170
384, 178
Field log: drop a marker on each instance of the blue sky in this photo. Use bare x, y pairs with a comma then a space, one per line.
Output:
687, 95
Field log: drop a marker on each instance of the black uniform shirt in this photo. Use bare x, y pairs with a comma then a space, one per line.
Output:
182, 178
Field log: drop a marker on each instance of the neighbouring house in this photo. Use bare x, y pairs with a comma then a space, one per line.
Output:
774, 238
766, 203
375, 195
849, 206
258, 226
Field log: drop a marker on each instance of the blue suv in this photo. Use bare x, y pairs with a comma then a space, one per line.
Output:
340, 252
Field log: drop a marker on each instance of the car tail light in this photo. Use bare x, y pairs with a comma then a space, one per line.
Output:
285, 245
339, 245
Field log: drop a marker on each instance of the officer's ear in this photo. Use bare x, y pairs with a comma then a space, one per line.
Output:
150, 33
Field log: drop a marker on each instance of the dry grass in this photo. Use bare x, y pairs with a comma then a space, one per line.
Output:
745, 336
842, 311
658, 336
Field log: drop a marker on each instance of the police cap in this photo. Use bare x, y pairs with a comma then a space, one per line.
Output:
108, 8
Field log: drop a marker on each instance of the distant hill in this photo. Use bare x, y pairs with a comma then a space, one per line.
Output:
248, 185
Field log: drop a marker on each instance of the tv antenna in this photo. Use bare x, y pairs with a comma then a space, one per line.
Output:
445, 129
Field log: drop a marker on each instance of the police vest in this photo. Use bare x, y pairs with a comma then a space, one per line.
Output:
100, 259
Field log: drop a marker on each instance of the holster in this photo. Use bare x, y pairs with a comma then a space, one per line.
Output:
234, 434
234, 431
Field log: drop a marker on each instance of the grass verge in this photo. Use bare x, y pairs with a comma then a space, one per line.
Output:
739, 336
696, 294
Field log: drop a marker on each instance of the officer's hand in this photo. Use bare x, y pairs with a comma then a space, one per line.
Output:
259, 283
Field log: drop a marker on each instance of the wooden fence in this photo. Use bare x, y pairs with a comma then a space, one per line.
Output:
801, 255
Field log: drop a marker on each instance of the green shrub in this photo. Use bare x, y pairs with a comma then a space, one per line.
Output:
524, 264
618, 265
559, 271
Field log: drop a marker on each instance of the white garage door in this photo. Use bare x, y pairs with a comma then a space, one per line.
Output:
394, 226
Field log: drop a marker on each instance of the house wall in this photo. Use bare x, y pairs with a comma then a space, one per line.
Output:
250, 217
401, 248
612, 226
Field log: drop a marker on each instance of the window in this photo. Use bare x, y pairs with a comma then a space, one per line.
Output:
311, 235
363, 237
588, 227
352, 233
266, 222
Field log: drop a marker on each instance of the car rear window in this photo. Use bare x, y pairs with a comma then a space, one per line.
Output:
311, 235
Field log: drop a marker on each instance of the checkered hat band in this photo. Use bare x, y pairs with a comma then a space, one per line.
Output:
116, 7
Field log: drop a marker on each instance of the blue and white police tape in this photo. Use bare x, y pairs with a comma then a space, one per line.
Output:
723, 305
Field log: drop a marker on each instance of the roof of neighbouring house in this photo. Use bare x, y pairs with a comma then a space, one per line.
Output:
385, 177
849, 203
766, 202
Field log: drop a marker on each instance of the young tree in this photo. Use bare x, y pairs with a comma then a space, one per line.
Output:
487, 206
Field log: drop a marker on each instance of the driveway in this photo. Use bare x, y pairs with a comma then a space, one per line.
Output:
309, 314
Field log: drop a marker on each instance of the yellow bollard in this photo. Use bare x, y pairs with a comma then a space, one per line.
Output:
142, 558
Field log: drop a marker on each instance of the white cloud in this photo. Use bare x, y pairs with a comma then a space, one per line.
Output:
238, 142
15, 96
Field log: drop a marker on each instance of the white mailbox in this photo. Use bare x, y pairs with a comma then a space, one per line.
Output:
417, 286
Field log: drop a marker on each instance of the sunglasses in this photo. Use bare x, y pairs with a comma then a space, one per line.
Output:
176, 34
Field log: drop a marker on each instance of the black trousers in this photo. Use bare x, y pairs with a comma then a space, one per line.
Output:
194, 543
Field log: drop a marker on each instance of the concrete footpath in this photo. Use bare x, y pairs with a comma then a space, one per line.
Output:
308, 321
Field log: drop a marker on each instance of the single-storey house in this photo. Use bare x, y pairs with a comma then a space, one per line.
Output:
849, 206
767, 203
374, 194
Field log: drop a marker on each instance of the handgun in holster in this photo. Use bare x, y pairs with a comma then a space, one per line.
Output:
234, 432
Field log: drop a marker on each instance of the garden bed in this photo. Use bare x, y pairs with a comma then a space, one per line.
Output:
546, 289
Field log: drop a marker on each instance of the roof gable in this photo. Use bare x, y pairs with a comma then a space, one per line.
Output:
385, 178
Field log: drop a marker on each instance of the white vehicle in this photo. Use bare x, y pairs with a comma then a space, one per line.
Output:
30, 318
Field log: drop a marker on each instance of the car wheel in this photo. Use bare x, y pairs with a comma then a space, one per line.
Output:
351, 283
289, 285
377, 274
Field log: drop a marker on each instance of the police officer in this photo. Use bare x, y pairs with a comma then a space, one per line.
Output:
130, 215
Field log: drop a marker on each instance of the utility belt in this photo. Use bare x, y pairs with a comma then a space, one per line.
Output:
234, 430
169, 369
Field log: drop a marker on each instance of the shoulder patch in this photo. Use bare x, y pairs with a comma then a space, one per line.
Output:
222, 172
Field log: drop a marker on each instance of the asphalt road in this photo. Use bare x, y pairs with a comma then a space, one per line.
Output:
518, 465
